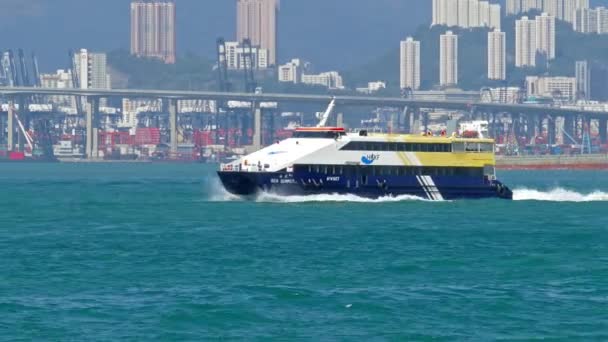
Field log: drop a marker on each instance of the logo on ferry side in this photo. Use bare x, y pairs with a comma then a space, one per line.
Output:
370, 159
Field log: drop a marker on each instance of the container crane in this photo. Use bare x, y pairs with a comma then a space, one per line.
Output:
25, 76
222, 66
248, 66
13, 67
75, 80
36, 82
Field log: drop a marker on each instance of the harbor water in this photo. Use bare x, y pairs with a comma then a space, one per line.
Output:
160, 252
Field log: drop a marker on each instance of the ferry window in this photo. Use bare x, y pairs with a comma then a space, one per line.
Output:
325, 169
472, 147
326, 135
318, 169
486, 147
340, 170
310, 168
458, 147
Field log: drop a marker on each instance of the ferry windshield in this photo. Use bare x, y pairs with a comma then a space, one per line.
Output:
318, 134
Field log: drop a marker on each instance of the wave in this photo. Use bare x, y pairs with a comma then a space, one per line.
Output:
558, 195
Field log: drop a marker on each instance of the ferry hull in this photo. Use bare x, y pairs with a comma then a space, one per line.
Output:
433, 188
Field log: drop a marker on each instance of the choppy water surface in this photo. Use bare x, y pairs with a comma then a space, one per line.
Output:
139, 252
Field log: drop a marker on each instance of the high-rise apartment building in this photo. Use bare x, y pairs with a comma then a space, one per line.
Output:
330, 80
153, 29
583, 80
591, 20
448, 59
92, 70
466, 13
560, 9
291, 72
257, 21
525, 42
545, 36
410, 64
497, 68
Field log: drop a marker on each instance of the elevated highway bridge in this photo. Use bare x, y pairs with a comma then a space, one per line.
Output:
532, 113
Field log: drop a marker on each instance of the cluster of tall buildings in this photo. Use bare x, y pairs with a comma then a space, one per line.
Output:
534, 44
591, 20
409, 76
534, 40
153, 29
561, 9
466, 13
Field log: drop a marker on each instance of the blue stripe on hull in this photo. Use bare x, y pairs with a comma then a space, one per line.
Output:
446, 187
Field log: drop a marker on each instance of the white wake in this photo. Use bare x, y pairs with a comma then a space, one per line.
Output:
273, 198
558, 195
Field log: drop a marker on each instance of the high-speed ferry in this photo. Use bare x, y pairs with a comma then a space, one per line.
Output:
328, 160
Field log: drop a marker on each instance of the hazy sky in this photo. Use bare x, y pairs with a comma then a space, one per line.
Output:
329, 33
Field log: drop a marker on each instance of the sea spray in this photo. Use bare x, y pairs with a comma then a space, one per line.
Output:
558, 195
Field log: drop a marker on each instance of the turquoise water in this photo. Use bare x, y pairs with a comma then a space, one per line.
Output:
159, 252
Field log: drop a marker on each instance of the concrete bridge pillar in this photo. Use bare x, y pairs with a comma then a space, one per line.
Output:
92, 144
257, 126
271, 118
540, 125
519, 127
551, 134
425, 121
172, 103
603, 130
24, 118
339, 120
10, 123
495, 126
405, 120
